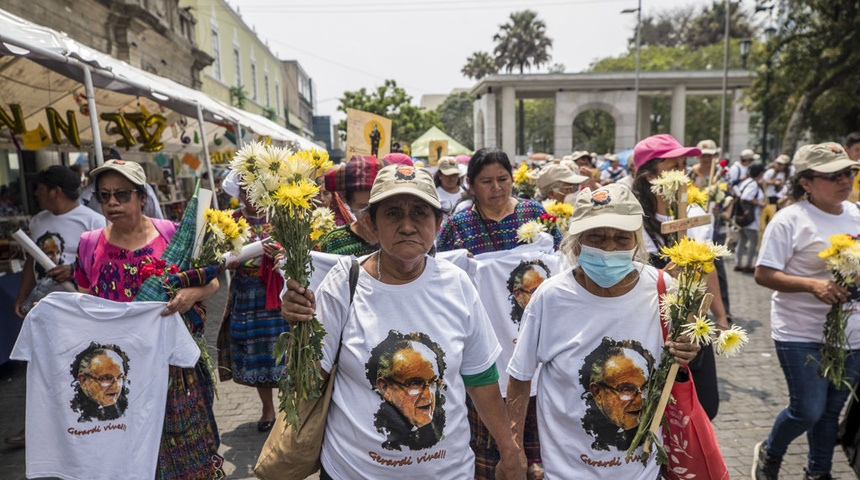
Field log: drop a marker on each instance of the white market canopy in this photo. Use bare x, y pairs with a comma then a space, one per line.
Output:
41, 68
421, 146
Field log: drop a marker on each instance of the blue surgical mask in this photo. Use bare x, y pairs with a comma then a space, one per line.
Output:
605, 268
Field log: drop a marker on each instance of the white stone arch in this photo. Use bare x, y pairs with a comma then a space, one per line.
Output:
618, 104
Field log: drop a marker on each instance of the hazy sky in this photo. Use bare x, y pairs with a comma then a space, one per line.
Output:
344, 45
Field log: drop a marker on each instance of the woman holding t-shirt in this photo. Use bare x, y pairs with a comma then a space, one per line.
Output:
595, 363
109, 266
398, 409
490, 225
788, 263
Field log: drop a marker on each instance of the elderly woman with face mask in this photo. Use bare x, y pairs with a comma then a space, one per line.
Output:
595, 363
399, 402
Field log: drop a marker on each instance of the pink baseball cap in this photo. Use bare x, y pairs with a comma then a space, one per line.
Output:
661, 146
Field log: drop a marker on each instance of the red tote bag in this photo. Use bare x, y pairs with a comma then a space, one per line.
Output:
688, 436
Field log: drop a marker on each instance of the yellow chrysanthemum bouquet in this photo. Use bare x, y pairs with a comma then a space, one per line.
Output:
222, 235
281, 183
524, 181
682, 309
843, 260
560, 211
322, 222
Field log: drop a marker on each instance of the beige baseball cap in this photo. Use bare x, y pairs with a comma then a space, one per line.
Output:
611, 206
825, 157
747, 154
128, 169
708, 147
448, 166
404, 179
577, 155
783, 159
558, 173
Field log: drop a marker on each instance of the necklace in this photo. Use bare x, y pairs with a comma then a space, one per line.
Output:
378, 266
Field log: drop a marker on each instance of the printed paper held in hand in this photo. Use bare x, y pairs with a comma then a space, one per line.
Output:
248, 252
34, 251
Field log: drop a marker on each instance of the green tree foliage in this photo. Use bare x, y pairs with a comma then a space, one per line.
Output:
522, 43
238, 95
594, 130
540, 123
408, 121
684, 27
815, 72
455, 114
479, 65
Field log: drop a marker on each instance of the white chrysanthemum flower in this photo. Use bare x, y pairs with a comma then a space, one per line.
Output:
548, 203
529, 232
667, 185
245, 160
730, 341
699, 331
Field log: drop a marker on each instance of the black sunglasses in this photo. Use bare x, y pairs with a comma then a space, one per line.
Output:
122, 196
836, 176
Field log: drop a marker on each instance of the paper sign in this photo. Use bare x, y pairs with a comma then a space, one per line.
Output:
436, 150
36, 139
367, 134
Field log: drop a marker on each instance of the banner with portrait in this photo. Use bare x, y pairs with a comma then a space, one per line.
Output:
436, 150
367, 134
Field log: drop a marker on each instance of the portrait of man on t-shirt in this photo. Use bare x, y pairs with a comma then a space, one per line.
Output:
522, 283
614, 376
101, 386
53, 245
407, 371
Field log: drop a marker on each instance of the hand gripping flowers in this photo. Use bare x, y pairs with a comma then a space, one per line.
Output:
281, 183
682, 312
843, 259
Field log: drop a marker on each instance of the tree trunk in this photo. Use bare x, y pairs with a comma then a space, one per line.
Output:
522, 126
794, 129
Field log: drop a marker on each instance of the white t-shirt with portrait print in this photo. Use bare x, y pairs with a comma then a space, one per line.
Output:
791, 243
58, 235
69, 435
494, 272
368, 437
563, 326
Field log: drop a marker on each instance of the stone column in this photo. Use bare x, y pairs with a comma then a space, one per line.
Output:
645, 110
679, 112
509, 121
739, 128
563, 138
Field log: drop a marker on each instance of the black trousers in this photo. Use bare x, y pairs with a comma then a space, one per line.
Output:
704, 370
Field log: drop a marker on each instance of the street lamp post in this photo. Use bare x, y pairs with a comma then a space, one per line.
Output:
638, 10
725, 78
769, 32
745, 51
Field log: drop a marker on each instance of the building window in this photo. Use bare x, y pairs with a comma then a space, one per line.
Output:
216, 53
266, 85
254, 81
277, 98
238, 57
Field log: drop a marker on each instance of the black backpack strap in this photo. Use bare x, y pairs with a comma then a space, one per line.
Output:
353, 281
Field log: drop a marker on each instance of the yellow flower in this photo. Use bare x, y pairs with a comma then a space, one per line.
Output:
559, 210
234, 203
699, 331
696, 196
730, 341
688, 252
296, 196
842, 240
521, 174
529, 231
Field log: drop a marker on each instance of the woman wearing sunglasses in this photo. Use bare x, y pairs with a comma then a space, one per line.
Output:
111, 269
788, 263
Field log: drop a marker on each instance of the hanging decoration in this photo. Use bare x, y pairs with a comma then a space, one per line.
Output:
14, 122
69, 127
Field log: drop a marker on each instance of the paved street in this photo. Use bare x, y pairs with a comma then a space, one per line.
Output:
752, 390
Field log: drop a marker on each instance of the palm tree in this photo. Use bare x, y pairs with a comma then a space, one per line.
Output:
479, 65
522, 43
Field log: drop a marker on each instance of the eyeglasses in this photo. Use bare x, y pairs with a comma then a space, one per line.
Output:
836, 176
122, 196
106, 380
626, 391
415, 386
525, 290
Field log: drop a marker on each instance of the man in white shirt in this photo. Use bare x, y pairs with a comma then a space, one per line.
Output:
57, 229
738, 170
